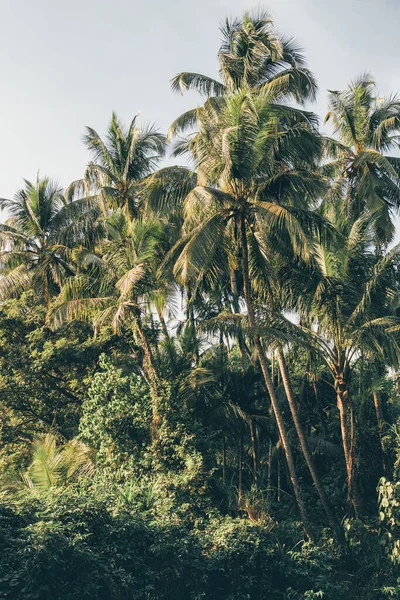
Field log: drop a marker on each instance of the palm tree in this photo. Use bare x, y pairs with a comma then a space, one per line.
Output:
255, 154
54, 465
252, 55
349, 298
114, 285
121, 163
44, 224
365, 176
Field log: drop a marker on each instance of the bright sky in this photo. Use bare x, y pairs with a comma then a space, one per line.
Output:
65, 65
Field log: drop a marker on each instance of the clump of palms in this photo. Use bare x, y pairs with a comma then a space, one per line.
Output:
347, 304
115, 285
121, 163
365, 175
44, 224
257, 174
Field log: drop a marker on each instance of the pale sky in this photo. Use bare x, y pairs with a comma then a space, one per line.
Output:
68, 64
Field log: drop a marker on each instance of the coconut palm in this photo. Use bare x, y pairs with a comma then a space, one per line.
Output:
252, 55
348, 299
121, 162
255, 155
365, 176
115, 284
44, 223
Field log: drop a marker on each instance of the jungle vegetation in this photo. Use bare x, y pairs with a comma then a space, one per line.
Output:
199, 384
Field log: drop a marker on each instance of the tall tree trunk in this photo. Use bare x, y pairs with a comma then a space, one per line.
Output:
167, 339
319, 409
345, 413
278, 482
379, 422
240, 468
152, 376
254, 451
269, 471
190, 318
147, 353
304, 444
46, 291
236, 308
224, 461
268, 381
273, 366
378, 410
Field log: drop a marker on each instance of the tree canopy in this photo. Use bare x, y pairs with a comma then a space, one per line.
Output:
199, 390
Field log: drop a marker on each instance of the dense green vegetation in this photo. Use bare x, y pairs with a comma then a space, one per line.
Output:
198, 365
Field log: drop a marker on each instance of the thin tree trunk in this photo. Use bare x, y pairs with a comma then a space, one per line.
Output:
319, 409
343, 403
273, 367
236, 308
156, 348
223, 461
152, 376
279, 479
379, 421
167, 338
163, 324
378, 410
148, 355
240, 476
268, 381
269, 472
254, 451
46, 291
303, 442
379, 414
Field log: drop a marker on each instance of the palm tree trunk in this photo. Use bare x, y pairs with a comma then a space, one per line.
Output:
254, 451
236, 308
269, 472
343, 404
379, 421
148, 355
240, 468
46, 290
273, 366
303, 442
167, 338
319, 409
378, 410
224, 461
152, 376
268, 381
278, 480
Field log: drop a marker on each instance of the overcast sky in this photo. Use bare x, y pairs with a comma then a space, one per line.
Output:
68, 64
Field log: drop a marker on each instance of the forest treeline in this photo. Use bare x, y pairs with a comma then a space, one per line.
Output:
199, 364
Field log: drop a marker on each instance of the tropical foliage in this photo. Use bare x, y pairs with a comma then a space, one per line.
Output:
199, 364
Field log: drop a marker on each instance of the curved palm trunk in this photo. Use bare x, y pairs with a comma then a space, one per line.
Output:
268, 381
346, 426
303, 442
